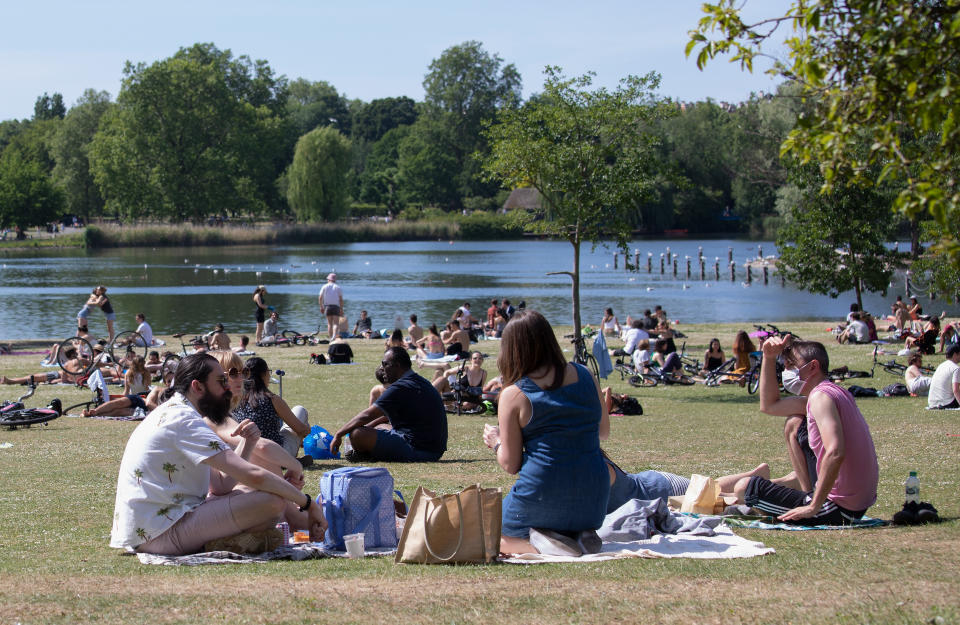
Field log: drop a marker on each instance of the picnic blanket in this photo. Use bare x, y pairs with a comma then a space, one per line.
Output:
770, 523
302, 551
723, 544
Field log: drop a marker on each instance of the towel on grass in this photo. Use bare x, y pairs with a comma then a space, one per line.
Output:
723, 544
770, 523
301, 551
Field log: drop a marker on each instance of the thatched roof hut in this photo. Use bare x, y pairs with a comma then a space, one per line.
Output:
527, 198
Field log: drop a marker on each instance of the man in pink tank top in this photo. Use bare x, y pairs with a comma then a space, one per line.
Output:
846, 461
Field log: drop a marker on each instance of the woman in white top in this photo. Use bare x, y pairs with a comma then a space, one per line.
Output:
610, 324
917, 383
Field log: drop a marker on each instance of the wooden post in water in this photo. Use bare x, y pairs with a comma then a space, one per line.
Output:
700, 252
649, 262
661, 263
716, 268
730, 254
636, 259
759, 251
674, 265
906, 284
688, 267
733, 271
703, 270
615, 255
766, 275
783, 279
749, 274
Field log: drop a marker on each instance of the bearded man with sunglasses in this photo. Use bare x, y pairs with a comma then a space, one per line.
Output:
180, 486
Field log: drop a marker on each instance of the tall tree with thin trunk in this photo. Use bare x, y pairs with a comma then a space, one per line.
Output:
591, 154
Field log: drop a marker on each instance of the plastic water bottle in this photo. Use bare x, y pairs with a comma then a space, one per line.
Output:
912, 488
347, 447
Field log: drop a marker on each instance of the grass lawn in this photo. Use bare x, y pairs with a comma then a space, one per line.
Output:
57, 486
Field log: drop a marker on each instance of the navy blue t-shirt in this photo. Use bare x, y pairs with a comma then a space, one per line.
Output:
415, 409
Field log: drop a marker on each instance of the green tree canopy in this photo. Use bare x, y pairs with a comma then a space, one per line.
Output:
71, 147
375, 119
887, 71
196, 134
314, 104
49, 107
837, 241
27, 197
316, 182
464, 88
592, 155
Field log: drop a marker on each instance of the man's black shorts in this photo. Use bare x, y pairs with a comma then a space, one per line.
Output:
774, 500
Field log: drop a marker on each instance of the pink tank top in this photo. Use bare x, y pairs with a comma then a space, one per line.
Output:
856, 485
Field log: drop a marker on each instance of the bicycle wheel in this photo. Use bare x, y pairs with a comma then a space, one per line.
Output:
643, 380
27, 417
591, 363
79, 408
125, 342
75, 356
894, 368
682, 380
753, 381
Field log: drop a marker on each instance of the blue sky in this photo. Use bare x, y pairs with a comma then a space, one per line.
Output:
366, 50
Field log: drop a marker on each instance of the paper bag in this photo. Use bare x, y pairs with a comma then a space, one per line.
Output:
701, 495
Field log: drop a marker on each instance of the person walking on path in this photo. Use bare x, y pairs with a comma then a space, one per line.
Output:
331, 303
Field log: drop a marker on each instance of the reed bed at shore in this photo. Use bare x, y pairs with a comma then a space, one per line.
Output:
58, 486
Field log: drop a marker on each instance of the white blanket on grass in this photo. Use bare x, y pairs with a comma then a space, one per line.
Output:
724, 544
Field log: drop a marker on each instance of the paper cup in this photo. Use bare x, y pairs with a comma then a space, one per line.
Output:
354, 543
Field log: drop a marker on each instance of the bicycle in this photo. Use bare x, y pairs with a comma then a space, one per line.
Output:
13, 414
753, 377
895, 368
128, 341
82, 360
582, 356
650, 378
691, 365
463, 398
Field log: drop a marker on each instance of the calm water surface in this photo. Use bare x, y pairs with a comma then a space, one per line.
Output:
191, 289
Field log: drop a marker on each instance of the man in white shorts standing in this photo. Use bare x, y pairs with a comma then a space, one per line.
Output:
331, 304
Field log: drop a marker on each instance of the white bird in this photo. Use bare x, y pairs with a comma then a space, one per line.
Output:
649, 288
186, 260
259, 273
144, 266
631, 280
216, 271
707, 285
685, 287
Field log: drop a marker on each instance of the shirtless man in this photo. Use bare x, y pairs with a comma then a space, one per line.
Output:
415, 332
219, 340
52, 377
456, 339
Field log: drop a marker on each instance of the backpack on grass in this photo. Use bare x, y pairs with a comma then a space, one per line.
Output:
358, 500
626, 405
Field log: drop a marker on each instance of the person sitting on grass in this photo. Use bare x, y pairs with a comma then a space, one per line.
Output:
415, 332
395, 340
551, 419
265, 408
244, 345
430, 346
136, 379
917, 383
377, 390
219, 340
126, 405
633, 336
856, 331
417, 430
713, 357
364, 326
846, 460
945, 384
926, 341
455, 339
179, 485
476, 376
153, 364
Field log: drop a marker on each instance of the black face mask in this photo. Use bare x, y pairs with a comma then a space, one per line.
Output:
213, 408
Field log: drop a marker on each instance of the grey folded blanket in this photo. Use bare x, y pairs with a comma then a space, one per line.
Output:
639, 520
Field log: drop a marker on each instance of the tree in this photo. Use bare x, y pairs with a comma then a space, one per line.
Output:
316, 181
592, 155
887, 71
196, 134
27, 197
71, 152
380, 180
836, 241
464, 89
49, 107
314, 104
427, 171
377, 118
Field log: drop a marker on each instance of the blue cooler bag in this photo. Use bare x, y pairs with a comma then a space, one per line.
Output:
358, 500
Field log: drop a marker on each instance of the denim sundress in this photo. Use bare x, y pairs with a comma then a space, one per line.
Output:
563, 482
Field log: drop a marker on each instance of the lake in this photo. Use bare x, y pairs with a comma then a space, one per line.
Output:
191, 289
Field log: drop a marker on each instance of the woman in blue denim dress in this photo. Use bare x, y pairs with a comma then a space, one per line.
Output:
551, 420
